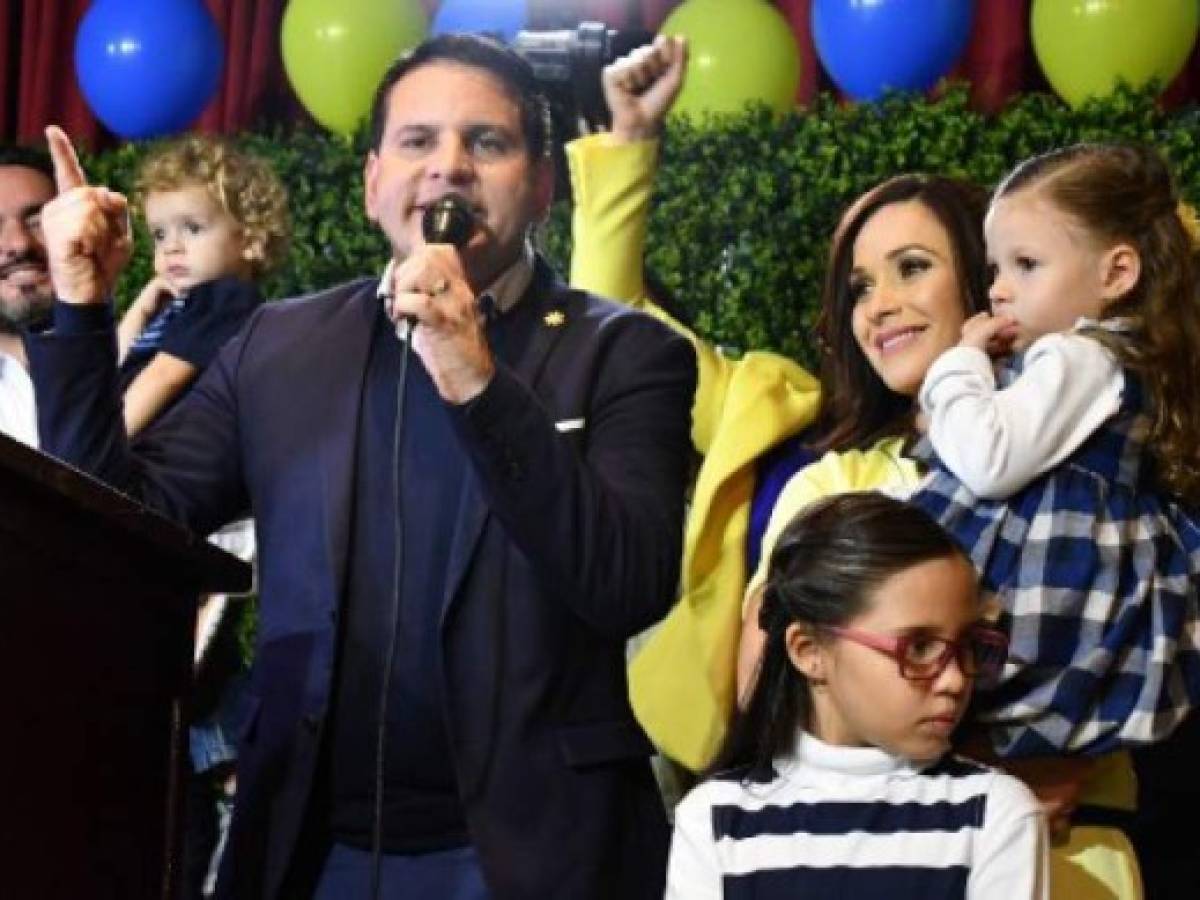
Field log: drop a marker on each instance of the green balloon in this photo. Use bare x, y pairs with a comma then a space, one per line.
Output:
739, 51
1085, 48
335, 53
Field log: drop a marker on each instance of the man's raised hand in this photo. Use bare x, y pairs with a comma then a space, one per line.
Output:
86, 229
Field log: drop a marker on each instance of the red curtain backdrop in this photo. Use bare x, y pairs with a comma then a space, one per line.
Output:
41, 42
798, 14
254, 83
999, 59
8, 70
38, 84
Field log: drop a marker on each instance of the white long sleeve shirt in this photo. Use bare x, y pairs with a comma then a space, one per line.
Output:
998, 440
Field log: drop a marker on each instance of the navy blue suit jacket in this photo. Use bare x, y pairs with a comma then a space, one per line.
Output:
567, 542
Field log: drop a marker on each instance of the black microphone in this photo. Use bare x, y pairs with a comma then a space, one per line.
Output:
448, 220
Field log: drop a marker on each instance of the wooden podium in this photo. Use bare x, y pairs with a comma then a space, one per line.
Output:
97, 604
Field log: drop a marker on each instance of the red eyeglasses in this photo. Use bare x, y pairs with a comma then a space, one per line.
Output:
981, 652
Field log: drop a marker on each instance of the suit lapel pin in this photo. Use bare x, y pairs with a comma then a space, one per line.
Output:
555, 319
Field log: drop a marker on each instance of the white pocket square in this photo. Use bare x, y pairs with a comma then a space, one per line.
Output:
570, 424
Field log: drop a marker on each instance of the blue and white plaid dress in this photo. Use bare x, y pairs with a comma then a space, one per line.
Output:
1096, 574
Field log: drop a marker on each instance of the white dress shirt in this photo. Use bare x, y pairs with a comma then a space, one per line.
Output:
18, 415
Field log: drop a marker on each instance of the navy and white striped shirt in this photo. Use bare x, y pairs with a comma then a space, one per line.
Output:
856, 822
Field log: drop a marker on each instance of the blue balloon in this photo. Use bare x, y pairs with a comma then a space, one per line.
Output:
148, 67
870, 46
503, 18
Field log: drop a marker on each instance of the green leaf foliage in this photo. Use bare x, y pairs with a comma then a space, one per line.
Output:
744, 205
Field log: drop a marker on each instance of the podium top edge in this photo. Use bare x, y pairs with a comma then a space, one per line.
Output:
209, 567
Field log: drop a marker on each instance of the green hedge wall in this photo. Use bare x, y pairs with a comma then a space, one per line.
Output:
744, 205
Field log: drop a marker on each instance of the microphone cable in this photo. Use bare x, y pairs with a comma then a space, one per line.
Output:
449, 220
393, 617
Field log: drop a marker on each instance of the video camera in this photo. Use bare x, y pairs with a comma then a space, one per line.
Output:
567, 64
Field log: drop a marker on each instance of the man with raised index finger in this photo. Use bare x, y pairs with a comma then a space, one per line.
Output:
455, 540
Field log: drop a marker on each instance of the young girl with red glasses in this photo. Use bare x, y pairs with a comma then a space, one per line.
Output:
836, 779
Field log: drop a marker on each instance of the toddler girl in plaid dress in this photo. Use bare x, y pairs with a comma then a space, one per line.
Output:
1067, 472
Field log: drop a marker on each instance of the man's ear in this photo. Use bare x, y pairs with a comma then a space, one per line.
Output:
805, 651
1121, 267
370, 168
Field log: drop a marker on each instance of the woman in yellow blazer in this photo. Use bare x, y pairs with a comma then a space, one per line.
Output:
682, 681
682, 678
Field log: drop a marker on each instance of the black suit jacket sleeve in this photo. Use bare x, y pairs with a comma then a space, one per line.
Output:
596, 509
80, 420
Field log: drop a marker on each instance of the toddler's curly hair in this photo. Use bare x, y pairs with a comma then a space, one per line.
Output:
245, 185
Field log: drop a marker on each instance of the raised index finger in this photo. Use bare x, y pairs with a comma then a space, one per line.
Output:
676, 49
68, 174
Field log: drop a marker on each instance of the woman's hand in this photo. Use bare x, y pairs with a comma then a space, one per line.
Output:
1056, 781
640, 88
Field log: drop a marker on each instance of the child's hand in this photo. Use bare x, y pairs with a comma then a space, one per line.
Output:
153, 297
992, 333
147, 305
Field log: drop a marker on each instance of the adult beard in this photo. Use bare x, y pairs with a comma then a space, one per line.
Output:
26, 305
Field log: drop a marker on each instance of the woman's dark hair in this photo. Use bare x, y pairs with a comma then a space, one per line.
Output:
825, 567
1123, 193
858, 408
506, 66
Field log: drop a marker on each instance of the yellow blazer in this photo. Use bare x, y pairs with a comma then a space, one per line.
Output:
681, 680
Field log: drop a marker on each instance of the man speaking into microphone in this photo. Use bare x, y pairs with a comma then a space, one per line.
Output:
459, 526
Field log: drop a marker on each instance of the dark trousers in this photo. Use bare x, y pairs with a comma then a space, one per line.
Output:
446, 875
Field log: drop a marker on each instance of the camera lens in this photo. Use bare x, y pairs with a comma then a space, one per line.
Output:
549, 53
567, 63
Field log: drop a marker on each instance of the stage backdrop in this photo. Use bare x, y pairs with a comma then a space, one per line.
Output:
38, 83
